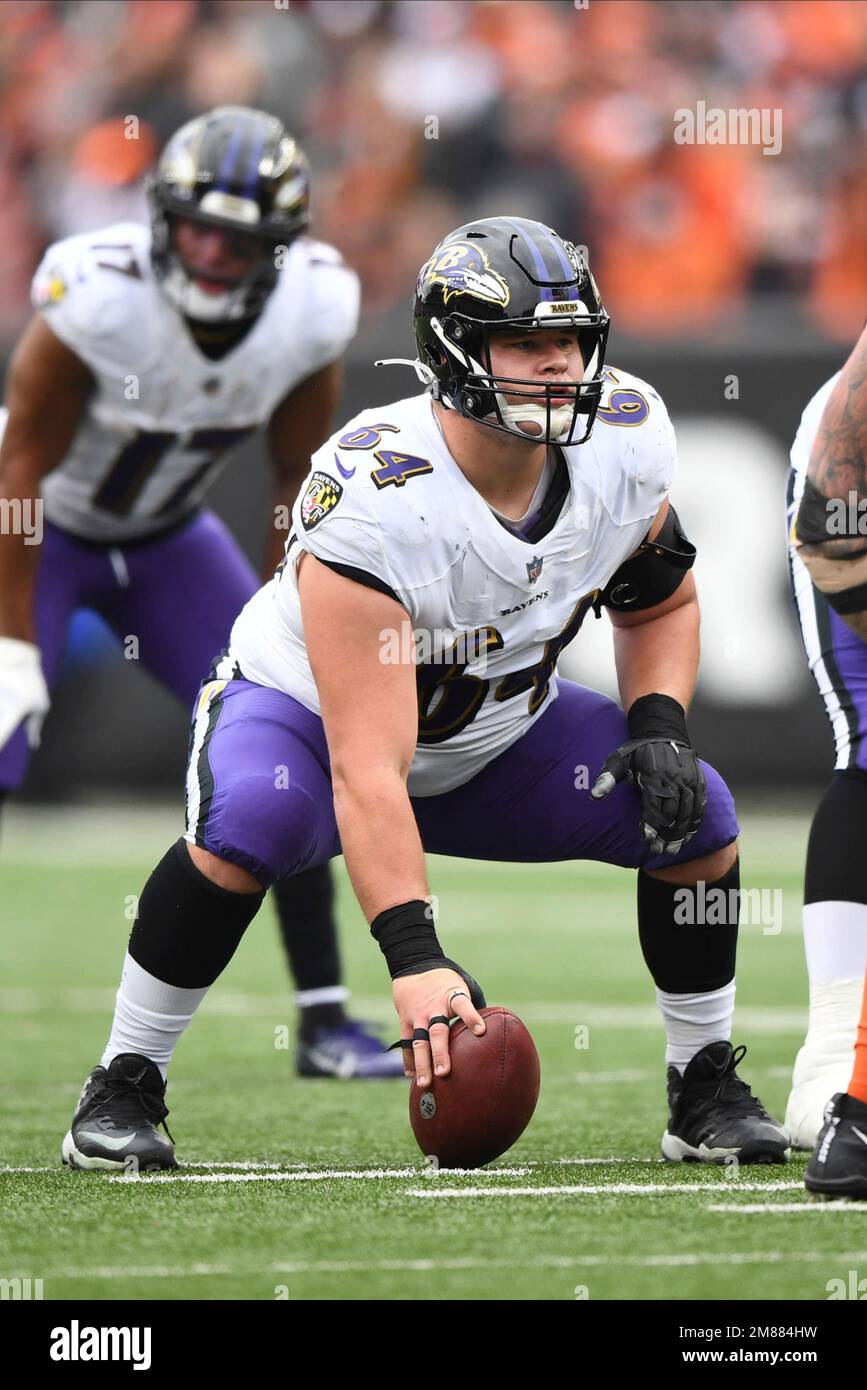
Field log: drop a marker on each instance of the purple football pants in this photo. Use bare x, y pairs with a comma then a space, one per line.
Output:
259, 790
177, 594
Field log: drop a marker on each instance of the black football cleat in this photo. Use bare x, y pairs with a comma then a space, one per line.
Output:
115, 1125
838, 1164
714, 1116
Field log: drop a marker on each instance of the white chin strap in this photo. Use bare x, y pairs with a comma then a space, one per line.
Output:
195, 303
531, 420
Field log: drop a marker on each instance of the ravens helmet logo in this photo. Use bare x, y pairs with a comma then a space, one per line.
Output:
463, 269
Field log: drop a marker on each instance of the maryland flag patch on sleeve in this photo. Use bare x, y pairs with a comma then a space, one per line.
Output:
49, 289
320, 498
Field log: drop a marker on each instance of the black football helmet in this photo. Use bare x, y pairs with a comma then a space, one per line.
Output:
508, 272
232, 167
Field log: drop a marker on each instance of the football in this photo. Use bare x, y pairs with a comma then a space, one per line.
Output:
477, 1112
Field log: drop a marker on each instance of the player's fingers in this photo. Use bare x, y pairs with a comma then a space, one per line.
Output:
406, 1051
613, 770
684, 817
421, 1052
462, 1005
651, 835
439, 1044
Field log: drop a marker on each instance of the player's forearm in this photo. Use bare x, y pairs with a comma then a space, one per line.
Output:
838, 459
20, 538
380, 839
659, 656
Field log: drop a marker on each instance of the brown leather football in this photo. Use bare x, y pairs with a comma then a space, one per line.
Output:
476, 1113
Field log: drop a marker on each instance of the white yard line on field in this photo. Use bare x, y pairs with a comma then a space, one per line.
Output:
766, 1208
322, 1175
426, 1266
250, 1165
614, 1189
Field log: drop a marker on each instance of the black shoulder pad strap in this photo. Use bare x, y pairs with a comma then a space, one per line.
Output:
811, 524
652, 574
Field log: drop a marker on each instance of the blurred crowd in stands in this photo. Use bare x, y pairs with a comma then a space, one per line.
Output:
419, 114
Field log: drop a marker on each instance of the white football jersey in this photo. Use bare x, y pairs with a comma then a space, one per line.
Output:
163, 414
491, 611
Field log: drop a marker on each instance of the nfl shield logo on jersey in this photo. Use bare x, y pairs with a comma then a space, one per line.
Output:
534, 568
321, 497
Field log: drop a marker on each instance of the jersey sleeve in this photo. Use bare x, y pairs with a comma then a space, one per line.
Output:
82, 290
333, 519
636, 415
335, 297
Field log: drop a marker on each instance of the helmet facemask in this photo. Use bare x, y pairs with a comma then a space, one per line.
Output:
556, 411
244, 296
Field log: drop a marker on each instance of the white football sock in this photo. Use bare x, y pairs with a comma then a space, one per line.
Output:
328, 994
149, 1016
835, 941
694, 1020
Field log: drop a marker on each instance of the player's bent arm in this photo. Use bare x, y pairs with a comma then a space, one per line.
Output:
656, 645
657, 651
654, 609
47, 389
834, 554
370, 712
299, 425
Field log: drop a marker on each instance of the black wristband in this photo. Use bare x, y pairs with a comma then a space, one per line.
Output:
407, 938
658, 716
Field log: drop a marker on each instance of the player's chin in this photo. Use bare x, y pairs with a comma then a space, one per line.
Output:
211, 286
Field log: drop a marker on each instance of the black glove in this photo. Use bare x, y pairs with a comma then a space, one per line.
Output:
662, 763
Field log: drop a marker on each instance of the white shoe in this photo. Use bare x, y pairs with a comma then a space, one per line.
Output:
823, 1066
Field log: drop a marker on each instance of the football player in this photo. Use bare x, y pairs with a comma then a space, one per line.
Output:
828, 565
153, 351
838, 1164
475, 526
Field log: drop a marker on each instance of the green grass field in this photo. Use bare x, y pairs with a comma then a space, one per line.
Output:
315, 1189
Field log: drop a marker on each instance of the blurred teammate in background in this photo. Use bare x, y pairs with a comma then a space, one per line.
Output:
828, 565
488, 515
153, 352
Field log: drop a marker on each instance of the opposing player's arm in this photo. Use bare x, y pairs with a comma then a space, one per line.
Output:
834, 553
370, 711
47, 388
300, 424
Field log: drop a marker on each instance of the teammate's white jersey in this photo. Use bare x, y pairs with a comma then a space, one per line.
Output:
163, 414
385, 497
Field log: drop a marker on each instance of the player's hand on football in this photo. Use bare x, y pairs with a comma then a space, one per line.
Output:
671, 784
23, 692
424, 1005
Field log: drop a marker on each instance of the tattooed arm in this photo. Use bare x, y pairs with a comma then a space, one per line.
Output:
831, 527
838, 460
